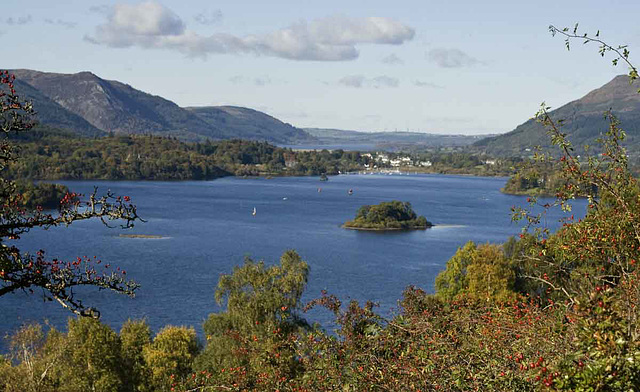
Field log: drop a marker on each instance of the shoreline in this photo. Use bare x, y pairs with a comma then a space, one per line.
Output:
386, 228
243, 177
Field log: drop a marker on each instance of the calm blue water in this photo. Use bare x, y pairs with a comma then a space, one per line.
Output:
208, 228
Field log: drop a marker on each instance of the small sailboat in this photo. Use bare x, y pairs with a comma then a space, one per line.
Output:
319, 190
254, 211
350, 192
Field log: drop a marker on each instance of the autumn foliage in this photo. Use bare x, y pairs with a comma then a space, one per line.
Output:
545, 311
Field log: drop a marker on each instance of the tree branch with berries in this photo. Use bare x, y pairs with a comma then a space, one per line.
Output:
55, 279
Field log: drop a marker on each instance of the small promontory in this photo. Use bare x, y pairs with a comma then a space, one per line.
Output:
388, 215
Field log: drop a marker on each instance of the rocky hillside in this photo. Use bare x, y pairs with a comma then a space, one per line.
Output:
87, 104
53, 114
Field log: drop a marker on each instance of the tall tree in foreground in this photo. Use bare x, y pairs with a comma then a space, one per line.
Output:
252, 344
55, 279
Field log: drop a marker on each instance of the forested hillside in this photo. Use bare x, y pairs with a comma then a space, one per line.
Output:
55, 155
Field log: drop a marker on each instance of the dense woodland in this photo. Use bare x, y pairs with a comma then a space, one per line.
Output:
544, 311
540, 179
545, 178
42, 194
50, 154
54, 155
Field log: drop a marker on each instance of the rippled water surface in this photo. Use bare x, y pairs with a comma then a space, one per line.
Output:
208, 227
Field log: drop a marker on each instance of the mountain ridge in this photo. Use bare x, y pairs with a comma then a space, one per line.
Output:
397, 139
97, 106
254, 123
584, 121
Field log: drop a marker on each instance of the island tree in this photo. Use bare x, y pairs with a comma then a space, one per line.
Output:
388, 215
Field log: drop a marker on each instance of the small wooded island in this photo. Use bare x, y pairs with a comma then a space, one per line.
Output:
388, 215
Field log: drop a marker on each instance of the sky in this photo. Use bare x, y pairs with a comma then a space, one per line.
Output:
449, 67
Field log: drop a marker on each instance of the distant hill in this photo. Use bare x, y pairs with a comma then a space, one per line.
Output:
584, 121
391, 139
88, 105
239, 122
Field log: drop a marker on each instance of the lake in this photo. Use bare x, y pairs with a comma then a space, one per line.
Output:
208, 227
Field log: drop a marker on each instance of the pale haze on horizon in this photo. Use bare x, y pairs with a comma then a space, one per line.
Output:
458, 67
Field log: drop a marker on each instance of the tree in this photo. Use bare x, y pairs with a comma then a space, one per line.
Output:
490, 276
37, 358
55, 278
255, 336
480, 272
453, 279
170, 356
135, 337
621, 52
92, 360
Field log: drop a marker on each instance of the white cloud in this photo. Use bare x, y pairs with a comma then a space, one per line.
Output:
259, 81
262, 81
59, 22
392, 59
238, 79
420, 83
209, 17
356, 81
22, 20
341, 30
151, 25
451, 58
142, 24
100, 9
290, 114
385, 81
360, 81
